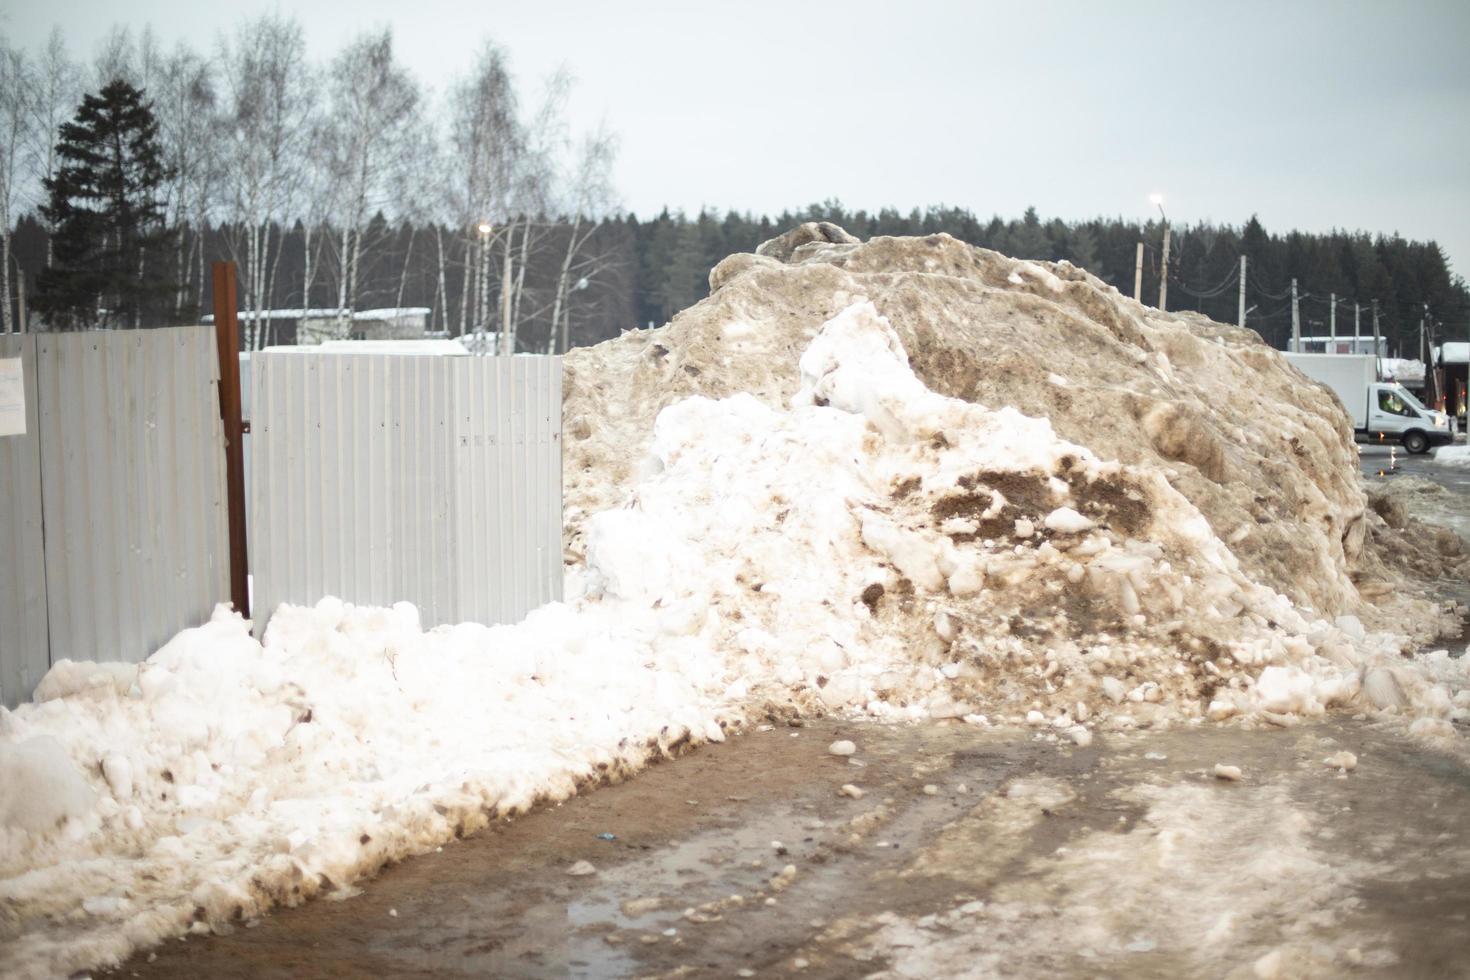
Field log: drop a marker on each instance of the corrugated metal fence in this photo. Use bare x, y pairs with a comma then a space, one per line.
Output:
430, 479
375, 478
25, 652
114, 499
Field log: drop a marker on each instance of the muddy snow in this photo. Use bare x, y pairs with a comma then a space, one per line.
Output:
907, 479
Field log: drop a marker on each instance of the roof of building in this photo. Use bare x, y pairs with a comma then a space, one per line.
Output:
434, 347
328, 312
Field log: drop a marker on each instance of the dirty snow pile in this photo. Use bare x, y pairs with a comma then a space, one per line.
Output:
1266, 456
1424, 528
878, 546
222, 777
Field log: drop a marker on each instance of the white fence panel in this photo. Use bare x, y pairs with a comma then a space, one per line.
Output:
385, 477
133, 478
24, 648
127, 500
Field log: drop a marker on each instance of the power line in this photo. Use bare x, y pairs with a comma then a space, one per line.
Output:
1262, 292
1229, 280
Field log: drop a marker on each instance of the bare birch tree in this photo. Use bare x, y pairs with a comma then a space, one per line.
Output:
589, 198
55, 93
533, 195
369, 141
185, 105
268, 105
485, 139
120, 56
16, 158
471, 184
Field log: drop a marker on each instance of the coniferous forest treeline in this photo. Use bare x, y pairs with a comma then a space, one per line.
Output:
646, 270
348, 185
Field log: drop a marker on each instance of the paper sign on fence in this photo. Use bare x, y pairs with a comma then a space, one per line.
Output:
12, 398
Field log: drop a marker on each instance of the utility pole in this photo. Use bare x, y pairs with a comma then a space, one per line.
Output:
1296, 320
1376, 375
1138, 275
1240, 317
1164, 272
1332, 323
1357, 325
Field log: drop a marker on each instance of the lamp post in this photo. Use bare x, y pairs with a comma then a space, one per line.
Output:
566, 314
482, 301
1158, 201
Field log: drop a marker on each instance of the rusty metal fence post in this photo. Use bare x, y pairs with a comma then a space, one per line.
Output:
227, 341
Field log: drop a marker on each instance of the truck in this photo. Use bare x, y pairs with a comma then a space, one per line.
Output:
1379, 410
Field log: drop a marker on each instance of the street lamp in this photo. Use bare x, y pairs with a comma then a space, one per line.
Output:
566, 315
1157, 200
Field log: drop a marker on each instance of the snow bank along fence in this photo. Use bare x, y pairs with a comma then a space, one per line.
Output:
379, 477
113, 528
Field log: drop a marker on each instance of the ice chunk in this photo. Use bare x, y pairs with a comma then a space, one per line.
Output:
1382, 689
1065, 520
1287, 690
118, 772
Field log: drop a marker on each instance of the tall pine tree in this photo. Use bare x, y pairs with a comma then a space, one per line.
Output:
111, 239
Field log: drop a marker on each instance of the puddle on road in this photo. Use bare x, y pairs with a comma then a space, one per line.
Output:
690, 872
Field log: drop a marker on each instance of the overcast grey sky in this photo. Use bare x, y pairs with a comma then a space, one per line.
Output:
1313, 115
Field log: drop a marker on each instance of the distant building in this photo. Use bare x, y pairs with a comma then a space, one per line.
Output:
1452, 367
312, 326
1343, 345
394, 323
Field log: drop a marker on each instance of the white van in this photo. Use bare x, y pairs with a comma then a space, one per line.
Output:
1379, 410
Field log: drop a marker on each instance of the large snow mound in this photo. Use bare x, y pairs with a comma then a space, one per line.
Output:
1266, 456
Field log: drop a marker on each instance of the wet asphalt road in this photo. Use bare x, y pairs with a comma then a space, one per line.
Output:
1375, 458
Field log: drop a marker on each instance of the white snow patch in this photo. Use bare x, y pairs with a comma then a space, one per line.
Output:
1458, 456
1065, 520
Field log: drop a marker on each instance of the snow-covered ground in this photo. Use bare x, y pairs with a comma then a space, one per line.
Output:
1453, 456
875, 547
